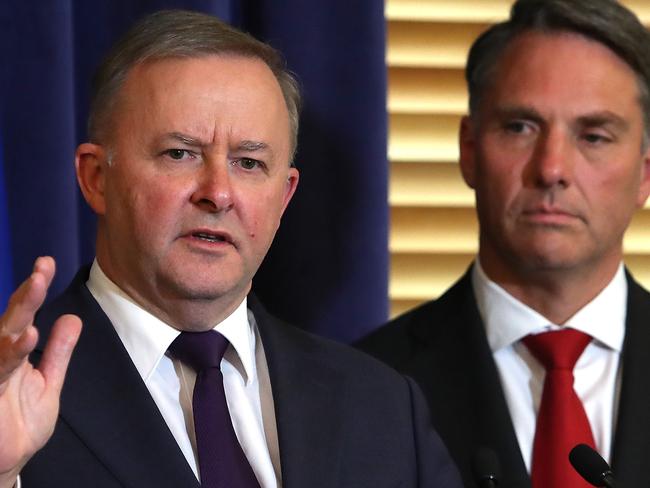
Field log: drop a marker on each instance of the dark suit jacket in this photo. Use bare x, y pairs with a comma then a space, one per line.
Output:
443, 346
343, 419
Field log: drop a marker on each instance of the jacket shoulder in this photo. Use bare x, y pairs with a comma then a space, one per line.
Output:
402, 337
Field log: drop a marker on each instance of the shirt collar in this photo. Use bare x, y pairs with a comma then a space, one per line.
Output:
507, 320
147, 338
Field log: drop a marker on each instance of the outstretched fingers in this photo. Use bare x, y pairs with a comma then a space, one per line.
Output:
29, 398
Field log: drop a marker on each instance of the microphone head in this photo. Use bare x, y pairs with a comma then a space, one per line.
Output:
485, 466
589, 464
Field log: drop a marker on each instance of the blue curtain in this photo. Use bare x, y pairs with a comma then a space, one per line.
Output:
6, 274
327, 270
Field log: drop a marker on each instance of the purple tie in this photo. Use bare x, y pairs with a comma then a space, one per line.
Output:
222, 462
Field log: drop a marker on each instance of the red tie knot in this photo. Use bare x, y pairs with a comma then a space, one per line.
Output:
558, 349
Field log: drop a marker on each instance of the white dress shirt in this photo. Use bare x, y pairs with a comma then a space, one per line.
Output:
171, 383
597, 372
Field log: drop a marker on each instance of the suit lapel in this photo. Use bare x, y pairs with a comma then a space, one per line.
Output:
632, 439
456, 369
105, 402
309, 415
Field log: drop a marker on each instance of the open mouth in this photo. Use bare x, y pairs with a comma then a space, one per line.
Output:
210, 237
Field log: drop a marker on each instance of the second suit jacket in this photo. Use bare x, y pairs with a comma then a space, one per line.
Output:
443, 346
343, 419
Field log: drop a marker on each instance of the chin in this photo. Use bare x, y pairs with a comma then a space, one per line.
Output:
200, 286
548, 261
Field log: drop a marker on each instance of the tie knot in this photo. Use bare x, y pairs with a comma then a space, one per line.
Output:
200, 350
558, 349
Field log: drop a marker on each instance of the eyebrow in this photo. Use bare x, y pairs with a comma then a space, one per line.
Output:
519, 112
184, 138
604, 118
252, 146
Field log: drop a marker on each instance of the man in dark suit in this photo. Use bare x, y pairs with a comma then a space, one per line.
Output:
556, 149
193, 128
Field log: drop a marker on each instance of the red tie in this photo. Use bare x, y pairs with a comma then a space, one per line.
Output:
562, 422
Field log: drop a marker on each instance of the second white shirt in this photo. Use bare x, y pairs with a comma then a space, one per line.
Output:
597, 372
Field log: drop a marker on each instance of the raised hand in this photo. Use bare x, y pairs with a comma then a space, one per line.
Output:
29, 396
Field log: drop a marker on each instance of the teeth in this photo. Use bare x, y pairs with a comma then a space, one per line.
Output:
209, 237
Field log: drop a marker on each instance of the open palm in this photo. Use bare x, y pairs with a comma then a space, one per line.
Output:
29, 396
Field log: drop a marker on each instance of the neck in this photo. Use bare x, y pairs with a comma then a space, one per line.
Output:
179, 312
556, 294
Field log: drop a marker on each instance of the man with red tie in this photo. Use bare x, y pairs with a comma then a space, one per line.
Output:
543, 343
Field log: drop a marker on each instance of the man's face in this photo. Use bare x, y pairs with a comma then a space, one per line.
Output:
556, 157
198, 182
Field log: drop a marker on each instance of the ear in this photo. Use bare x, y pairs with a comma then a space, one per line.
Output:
467, 145
91, 163
644, 187
293, 176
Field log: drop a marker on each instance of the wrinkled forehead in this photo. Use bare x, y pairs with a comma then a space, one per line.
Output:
196, 94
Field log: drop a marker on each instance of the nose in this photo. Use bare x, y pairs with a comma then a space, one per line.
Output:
214, 187
552, 161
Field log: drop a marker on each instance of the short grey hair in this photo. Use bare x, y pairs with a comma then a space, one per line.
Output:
604, 21
182, 34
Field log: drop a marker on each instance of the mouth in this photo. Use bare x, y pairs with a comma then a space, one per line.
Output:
547, 212
212, 237
209, 237
550, 216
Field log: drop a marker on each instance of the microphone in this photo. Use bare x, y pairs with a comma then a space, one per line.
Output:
591, 466
485, 467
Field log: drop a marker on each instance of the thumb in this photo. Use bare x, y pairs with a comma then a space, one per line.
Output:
58, 350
